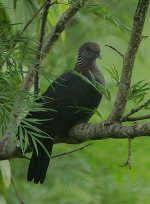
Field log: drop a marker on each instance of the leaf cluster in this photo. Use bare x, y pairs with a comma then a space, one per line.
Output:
114, 74
16, 53
138, 91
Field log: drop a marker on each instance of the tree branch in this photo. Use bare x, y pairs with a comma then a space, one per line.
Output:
128, 63
39, 51
62, 154
135, 110
128, 162
72, 151
31, 20
143, 117
85, 132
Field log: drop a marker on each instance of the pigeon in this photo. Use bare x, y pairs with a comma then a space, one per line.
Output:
70, 91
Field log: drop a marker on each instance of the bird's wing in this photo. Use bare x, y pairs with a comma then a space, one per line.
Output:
69, 89
66, 94
59, 85
56, 93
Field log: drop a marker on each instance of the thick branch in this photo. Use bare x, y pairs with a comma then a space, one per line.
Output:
128, 64
84, 132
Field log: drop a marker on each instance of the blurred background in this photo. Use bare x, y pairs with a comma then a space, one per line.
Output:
93, 175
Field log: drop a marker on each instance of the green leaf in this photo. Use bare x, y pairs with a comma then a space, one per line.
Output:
138, 91
113, 73
6, 172
36, 141
34, 144
104, 91
21, 139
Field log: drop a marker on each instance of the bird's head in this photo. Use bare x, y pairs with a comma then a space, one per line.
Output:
89, 51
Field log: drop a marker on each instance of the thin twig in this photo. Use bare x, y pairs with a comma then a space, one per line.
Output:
41, 39
143, 117
31, 20
63, 154
17, 193
113, 48
128, 162
34, 16
135, 110
70, 152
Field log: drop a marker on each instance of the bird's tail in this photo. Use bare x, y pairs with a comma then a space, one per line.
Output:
39, 163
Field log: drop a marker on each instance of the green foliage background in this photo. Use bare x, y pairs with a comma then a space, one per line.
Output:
91, 176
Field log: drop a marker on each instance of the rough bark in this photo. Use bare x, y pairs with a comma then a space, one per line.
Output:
85, 132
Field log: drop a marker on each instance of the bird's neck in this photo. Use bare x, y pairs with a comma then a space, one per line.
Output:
86, 67
83, 65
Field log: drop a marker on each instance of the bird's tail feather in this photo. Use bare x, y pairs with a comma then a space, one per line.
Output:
39, 163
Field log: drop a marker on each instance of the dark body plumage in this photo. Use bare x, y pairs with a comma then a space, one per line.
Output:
67, 91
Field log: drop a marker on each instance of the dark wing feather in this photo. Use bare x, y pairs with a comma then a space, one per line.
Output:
67, 91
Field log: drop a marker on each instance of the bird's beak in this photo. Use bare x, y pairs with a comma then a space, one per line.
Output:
98, 55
